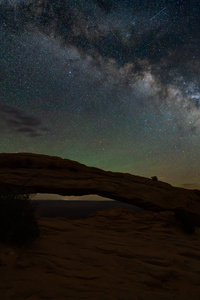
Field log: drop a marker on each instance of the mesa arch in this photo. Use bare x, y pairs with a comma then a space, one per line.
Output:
38, 173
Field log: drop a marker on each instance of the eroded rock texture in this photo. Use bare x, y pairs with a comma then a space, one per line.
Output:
36, 173
116, 254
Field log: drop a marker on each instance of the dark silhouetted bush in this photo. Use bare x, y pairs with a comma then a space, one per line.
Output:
154, 178
185, 219
18, 223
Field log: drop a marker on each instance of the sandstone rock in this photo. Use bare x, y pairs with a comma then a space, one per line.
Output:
8, 257
37, 173
116, 254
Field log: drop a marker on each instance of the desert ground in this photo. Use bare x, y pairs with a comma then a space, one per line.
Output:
116, 253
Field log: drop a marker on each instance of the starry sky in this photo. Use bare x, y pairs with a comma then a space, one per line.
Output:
113, 84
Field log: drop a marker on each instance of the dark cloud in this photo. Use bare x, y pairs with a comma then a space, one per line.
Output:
14, 120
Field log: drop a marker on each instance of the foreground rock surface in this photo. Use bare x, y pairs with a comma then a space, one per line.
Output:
36, 173
116, 254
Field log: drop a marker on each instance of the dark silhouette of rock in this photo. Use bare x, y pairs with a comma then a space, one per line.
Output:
154, 178
185, 219
37, 173
197, 192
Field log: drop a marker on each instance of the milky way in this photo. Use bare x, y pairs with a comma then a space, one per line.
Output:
112, 84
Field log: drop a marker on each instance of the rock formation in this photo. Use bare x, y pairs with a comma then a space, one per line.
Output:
115, 254
36, 173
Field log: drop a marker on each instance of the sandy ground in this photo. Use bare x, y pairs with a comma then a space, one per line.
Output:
116, 254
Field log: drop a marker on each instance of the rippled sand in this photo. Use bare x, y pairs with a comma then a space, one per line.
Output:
116, 254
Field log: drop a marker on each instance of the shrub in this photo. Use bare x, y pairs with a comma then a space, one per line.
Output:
185, 219
18, 223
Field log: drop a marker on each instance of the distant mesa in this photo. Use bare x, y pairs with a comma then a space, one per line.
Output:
38, 173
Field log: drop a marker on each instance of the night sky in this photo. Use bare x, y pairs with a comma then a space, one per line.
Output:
113, 84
